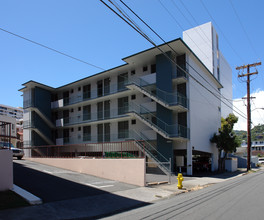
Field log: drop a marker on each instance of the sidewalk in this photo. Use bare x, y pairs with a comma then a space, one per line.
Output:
111, 203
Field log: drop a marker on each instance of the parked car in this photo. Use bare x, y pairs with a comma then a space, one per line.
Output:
18, 153
261, 160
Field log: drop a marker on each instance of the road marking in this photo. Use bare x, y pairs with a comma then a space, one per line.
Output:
98, 187
56, 172
45, 171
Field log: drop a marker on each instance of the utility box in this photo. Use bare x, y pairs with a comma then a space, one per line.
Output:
231, 164
179, 161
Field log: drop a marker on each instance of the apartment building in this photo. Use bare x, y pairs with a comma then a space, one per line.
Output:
12, 112
204, 42
160, 99
7, 130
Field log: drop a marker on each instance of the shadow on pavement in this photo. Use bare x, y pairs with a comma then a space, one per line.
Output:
65, 199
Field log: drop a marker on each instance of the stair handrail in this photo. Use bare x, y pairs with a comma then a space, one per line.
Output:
162, 94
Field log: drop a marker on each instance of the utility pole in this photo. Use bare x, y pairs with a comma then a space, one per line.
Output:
248, 74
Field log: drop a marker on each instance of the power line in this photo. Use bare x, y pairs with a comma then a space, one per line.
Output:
49, 48
198, 25
206, 41
221, 31
172, 61
243, 28
177, 53
183, 29
195, 29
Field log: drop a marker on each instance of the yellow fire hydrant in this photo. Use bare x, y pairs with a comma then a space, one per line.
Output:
180, 179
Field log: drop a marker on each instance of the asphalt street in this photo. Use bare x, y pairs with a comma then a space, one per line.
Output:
55, 184
239, 198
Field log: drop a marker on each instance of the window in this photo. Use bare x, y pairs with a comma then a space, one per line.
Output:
133, 97
153, 68
145, 68
72, 110
87, 92
79, 128
122, 105
123, 129
100, 88
133, 72
107, 109
72, 129
86, 133
122, 80
100, 110
66, 98
100, 131
133, 122
87, 112
107, 86
79, 88
79, 108
72, 91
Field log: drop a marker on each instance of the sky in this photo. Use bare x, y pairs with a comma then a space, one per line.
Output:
89, 31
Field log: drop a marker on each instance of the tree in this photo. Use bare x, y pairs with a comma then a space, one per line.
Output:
226, 140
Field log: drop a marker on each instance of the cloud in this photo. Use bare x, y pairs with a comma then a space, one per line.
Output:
257, 115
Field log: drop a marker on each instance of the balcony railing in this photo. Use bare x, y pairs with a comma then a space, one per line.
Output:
43, 128
174, 130
94, 116
100, 138
93, 94
28, 103
173, 98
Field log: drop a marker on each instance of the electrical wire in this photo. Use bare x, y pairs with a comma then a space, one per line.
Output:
244, 30
49, 48
176, 53
183, 29
230, 45
172, 61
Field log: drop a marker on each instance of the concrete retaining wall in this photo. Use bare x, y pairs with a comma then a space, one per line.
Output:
6, 170
130, 171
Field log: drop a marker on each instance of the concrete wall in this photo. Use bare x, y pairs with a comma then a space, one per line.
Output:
6, 170
130, 171
205, 117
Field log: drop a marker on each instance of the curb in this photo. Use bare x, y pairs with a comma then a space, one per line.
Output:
30, 198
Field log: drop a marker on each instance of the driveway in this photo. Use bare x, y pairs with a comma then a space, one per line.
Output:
55, 184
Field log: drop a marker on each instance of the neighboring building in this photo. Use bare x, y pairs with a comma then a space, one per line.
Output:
14, 116
8, 129
12, 112
203, 41
257, 147
147, 99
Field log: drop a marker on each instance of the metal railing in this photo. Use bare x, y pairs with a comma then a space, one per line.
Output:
174, 130
93, 94
94, 116
173, 98
121, 149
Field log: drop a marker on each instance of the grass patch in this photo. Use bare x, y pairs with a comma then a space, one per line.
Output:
9, 200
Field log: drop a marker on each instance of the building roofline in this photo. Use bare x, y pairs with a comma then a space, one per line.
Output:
126, 63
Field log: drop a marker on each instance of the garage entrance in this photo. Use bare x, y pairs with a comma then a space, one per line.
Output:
202, 162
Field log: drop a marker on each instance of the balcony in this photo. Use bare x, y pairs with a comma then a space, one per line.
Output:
28, 103
174, 100
173, 131
180, 76
87, 96
93, 117
101, 138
